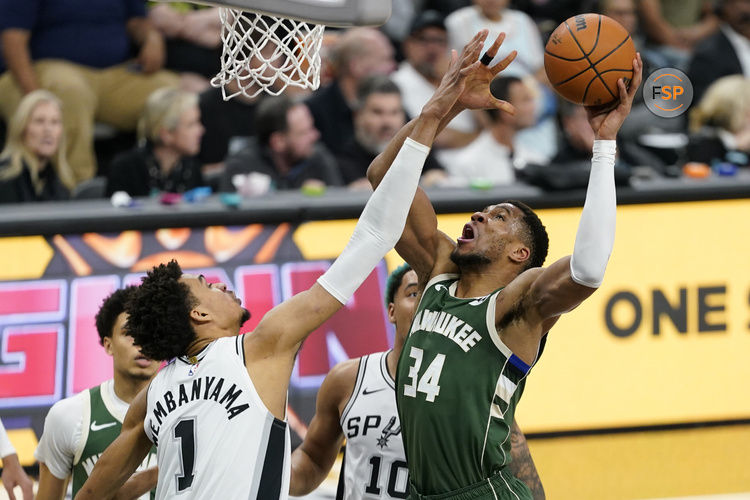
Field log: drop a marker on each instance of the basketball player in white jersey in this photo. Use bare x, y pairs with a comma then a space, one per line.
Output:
357, 401
79, 428
217, 412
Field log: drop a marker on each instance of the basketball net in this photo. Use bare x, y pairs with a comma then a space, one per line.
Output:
267, 54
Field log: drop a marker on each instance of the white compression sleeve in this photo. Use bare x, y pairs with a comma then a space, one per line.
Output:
380, 225
6, 448
596, 230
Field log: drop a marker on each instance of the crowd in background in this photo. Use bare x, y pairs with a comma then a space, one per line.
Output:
100, 96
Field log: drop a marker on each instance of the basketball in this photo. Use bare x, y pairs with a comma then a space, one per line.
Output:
586, 55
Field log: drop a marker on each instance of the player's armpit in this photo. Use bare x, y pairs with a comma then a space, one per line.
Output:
313, 459
554, 292
122, 457
50, 487
522, 465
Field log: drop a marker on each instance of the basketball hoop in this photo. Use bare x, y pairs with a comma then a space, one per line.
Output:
270, 45
267, 54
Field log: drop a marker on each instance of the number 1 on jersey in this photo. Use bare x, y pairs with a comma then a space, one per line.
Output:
184, 432
429, 382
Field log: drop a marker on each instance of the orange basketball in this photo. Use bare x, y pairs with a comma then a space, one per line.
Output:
586, 55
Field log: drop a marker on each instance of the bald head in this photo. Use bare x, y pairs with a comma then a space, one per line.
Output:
362, 52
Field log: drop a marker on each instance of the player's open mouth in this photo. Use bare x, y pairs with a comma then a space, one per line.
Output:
467, 234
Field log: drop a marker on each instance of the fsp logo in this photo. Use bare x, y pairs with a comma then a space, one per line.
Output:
668, 92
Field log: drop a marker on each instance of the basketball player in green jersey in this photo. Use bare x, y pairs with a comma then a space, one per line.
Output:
78, 429
485, 309
338, 413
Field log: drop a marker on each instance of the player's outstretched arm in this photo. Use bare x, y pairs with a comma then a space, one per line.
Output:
522, 465
122, 457
466, 86
313, 459
567, 282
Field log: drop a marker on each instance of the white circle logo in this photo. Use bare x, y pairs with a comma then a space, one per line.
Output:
668, 92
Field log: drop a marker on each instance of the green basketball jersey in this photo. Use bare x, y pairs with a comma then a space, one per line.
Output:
102, 428
457, 390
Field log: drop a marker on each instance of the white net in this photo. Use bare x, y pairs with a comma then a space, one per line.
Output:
267, 54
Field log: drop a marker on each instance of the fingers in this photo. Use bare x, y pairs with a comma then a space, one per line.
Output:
492, 51
637, 73
9, 489
505, 106
473, 48
497, 68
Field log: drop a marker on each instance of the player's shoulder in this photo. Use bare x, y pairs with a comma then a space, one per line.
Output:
68, 413
344, 371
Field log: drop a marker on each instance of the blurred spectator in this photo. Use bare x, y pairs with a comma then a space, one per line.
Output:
548, 14
33, 166
79, 50
676, 26
521, 34
640, 121
223, 121
285, 154
720, 124
170, 135
427, 58
727, 52
495, 155
359, 53
377, 119
193, 38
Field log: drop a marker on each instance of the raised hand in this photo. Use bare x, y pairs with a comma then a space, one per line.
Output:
453, 83
606, 120
476, 93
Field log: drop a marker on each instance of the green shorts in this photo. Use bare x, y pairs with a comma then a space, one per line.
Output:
501, 486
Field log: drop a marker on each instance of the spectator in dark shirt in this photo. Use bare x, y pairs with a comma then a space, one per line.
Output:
33, 165
359, 53
378, 117
724, 53
170, 132
286, 153
80, 51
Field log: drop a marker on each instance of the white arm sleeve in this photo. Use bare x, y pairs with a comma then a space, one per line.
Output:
6, 448
596, 230
380, 225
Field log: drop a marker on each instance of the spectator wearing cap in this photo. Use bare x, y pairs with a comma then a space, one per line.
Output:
359, 53
427, 58
377, 119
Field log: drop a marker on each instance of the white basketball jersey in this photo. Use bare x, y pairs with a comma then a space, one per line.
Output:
214, 436
374, 460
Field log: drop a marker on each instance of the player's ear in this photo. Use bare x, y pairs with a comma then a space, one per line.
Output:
107, 344
520, 254
199, 316
392, 313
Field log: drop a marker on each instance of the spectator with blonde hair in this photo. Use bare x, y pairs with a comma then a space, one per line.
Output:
33, 165
720, 123
169, 133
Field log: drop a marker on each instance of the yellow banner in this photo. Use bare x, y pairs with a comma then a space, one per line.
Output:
666, 339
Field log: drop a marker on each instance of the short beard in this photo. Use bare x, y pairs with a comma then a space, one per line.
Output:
244, 317
469, 262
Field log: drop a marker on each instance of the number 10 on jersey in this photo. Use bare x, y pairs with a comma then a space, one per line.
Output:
429, 382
